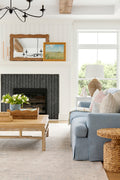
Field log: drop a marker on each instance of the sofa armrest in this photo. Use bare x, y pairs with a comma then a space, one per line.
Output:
79, 128
84, 104
95, 122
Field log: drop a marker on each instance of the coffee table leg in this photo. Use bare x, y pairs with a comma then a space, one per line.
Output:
20, 133
43, 140
47, 132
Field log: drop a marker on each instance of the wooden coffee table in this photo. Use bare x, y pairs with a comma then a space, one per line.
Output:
111, 149
40, 124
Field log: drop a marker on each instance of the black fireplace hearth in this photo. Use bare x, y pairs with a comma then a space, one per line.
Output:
48, 97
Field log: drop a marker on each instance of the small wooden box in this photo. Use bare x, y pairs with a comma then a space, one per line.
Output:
25, 113
5, 117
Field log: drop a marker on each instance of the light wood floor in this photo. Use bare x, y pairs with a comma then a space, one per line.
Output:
58, 121
113, 176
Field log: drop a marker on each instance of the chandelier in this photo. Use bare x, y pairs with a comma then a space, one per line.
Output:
22, 14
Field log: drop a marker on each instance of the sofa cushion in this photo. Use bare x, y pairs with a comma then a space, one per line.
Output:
84, 104
79, 127
109, 105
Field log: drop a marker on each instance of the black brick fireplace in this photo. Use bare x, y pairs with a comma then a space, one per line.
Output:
42, 89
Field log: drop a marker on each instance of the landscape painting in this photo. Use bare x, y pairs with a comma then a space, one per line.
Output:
54, 52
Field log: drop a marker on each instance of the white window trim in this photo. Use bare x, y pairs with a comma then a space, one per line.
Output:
99, 78
97, 46
101, 46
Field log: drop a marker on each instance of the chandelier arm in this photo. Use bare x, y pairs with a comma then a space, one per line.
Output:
35, 15
29, 14
23, 9
4, 8
19, 17
4, 14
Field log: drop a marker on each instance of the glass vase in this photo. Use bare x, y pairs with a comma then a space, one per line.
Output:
15, 107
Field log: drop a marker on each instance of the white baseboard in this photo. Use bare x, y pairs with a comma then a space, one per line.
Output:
63, 116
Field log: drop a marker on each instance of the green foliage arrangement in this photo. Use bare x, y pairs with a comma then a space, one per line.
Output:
15, 99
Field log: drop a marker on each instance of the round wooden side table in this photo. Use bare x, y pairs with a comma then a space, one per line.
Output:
111, 151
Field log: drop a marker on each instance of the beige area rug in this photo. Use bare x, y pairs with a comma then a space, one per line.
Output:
23, 159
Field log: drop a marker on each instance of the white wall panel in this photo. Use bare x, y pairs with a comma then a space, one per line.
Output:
59, 31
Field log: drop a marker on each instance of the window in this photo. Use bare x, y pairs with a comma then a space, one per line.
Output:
97, 48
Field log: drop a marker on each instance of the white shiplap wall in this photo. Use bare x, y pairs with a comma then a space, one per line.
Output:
59, 31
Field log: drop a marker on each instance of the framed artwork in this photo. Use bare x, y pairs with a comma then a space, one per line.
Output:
54, 51
27, 47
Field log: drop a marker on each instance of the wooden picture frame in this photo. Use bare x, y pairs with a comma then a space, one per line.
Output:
15, 36
54, 51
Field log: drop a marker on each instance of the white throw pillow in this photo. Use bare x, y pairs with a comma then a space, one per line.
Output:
109, 104
105, 91
96, 108
97, 99
117, 96
93, 97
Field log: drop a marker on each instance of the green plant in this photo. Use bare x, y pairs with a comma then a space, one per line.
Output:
15, 99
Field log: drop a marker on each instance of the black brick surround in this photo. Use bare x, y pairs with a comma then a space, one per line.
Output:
49, 81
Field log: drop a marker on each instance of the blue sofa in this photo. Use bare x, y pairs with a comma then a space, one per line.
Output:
86, 145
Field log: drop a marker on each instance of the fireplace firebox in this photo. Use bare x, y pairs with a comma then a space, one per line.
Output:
37, 98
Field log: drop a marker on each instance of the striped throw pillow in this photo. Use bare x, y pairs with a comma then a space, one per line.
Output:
109, 105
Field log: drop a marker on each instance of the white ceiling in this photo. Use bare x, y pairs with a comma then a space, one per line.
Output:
93, 2
23, 3
81, 8
55, 2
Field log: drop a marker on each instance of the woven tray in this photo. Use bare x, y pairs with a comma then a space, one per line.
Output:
24, 113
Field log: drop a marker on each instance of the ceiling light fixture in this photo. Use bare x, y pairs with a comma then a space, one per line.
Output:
23, 12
